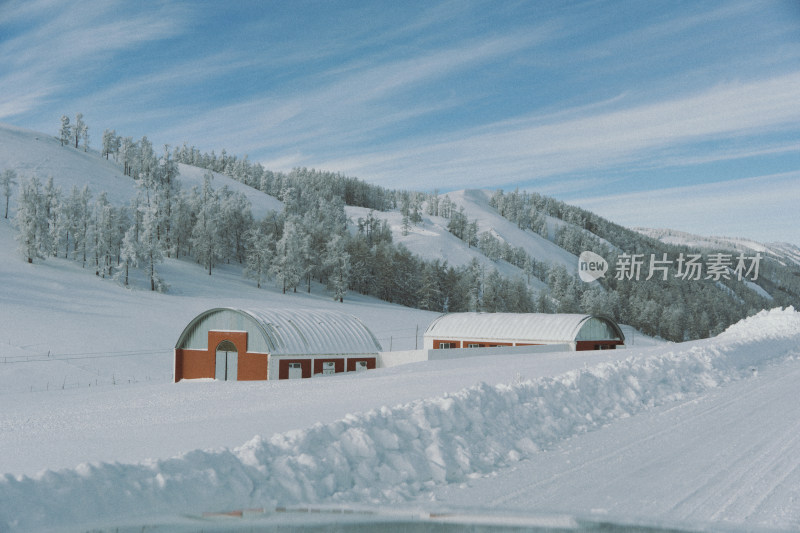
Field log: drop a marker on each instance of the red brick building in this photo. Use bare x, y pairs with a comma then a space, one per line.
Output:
238, 344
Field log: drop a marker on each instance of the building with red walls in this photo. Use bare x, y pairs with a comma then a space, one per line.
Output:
484, 330
237, 344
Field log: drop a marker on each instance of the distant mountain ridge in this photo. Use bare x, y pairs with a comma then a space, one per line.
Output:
784, 252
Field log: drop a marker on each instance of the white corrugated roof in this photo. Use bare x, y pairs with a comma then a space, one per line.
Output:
286, 331
542, 327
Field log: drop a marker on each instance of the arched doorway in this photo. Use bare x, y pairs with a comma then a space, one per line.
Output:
227, 360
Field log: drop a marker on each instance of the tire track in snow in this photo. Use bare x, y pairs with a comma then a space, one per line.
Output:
759, 469
616, 454
751, 479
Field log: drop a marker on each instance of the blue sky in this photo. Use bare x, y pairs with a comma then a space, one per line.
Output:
651, 113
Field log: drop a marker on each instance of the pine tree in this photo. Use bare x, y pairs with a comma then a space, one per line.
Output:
430, 287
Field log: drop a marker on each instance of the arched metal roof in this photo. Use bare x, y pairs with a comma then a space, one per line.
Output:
542, 327
284, 331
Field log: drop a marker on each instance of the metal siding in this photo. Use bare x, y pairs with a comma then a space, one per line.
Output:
520, 327
595, 329
312, 332
285, 332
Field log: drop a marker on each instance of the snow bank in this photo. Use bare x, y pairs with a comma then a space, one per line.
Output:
394, 454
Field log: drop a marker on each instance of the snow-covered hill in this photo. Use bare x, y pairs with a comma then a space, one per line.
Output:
31, 153
431, 239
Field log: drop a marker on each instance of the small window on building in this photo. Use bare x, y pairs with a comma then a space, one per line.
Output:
328, 368
474, 345
447, 345
361, 366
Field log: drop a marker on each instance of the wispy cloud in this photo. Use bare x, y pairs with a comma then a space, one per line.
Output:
768, 204
353, 106
531, 148
60, 42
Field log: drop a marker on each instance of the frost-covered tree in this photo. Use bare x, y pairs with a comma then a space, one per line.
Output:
111, 143
166, 190
142, 162
432, 205
472, 234
337, 262
80, 130
260, 249
105, 235
416, 209
129, 256
127, 152
131, 253
236, 219
31, 220
184, 219
150, 247
207, 244
65, 134
52, 203
85, 139
82, 217
7, 180
289, 263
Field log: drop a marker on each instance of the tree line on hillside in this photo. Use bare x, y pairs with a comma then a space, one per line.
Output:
351, 191
308, 240
674, 309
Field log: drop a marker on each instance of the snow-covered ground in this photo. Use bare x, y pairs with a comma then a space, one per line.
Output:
693, 433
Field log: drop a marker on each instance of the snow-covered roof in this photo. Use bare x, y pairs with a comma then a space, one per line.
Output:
284, 331
540, 327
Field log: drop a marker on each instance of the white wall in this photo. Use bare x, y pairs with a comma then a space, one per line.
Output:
389, 359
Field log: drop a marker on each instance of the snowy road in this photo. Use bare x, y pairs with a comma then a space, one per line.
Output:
731, 456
